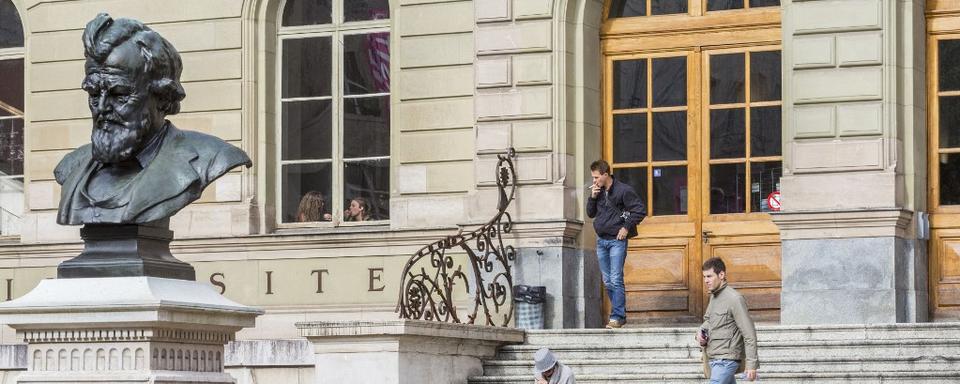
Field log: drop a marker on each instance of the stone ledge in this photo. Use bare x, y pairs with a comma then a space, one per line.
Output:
410, 328
804, 225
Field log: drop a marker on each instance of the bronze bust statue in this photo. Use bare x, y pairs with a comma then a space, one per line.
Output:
138, 168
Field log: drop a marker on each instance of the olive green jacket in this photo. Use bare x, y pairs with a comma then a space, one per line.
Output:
730, 331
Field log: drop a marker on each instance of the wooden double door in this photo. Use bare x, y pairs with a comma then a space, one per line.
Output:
697, 133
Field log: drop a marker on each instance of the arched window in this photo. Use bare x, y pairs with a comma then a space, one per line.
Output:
334, 104
11, 119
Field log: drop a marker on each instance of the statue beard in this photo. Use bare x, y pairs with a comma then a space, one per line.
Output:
115, 141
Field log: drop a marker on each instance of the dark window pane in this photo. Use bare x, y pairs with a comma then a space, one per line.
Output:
764, 179
368, 182
360, 10
11, 147
669, 191
306, 67
764, 3
307, 12
765, 136
726, 78
727, 183
11, 29
765, 76
719, 5
949, 64
627, 8
11, 206
667, 7
727, 133
366, 126
298, 181
636, 178
949, 121
670, 82
629, 138
11, 87
950, 179
307, 130
366, 60
670, 136
629, 84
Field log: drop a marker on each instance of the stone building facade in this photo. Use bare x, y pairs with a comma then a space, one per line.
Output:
811, 144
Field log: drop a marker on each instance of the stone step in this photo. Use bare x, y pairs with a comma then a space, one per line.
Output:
659, 336
771, 365
897, 353
938, 377
766, 349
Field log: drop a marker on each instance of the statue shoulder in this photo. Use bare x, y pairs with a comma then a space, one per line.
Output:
216, 155
71, 162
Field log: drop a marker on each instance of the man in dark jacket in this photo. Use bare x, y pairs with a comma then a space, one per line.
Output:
616, 211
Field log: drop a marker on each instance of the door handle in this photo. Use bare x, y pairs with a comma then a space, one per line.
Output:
706, 236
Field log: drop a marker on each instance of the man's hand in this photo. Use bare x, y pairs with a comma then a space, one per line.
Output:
751, 374
622, 234
594, 190
701, 339
541, 381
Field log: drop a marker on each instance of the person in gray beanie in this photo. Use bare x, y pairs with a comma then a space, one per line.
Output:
547, 370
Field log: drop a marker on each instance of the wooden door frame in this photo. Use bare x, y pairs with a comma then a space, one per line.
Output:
692, 33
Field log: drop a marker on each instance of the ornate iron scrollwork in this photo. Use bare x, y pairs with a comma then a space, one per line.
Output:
434, 274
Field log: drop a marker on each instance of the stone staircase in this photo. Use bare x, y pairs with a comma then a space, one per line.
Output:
892, 353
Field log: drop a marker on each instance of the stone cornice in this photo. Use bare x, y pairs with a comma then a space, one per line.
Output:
532, 232
843, 224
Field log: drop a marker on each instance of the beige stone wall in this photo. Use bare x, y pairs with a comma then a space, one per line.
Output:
854, 127
433, 115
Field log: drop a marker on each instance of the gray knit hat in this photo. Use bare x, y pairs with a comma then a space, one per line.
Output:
543, 360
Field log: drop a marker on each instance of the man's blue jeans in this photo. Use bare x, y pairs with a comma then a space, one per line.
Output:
723, 371
611, 254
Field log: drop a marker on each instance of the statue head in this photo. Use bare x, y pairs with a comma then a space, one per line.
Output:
133, 82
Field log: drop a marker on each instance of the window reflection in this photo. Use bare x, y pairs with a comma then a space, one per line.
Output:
727, 183
335, 122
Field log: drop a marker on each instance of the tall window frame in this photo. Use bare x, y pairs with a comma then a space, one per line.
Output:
338, 30
12, 122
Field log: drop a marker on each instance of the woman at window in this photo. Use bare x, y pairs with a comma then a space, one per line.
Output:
359, 210
312, 207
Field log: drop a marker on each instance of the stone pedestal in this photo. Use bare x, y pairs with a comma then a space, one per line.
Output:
125, 330
402, 351
852, 267
122, 250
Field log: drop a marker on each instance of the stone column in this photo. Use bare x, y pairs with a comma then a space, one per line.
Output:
403, 351
535, 94
854, 168
125, 330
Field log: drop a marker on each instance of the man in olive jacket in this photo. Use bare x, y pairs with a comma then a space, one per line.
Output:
727, 333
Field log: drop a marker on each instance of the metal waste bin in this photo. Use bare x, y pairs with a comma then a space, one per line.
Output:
528, 302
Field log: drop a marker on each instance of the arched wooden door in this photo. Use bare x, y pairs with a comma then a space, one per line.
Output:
692, 120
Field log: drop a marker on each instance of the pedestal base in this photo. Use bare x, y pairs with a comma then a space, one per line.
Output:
403, 351
121, 250
125, 330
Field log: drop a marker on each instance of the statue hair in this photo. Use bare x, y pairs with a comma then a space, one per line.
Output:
162, 61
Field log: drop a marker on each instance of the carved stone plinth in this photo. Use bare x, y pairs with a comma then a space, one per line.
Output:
125, 330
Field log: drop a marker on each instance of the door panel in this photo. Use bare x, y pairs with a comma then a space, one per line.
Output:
661, 123
944, 173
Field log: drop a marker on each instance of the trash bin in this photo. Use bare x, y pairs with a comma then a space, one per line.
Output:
528, 301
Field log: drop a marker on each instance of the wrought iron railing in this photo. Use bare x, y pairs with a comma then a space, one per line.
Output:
435, 274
